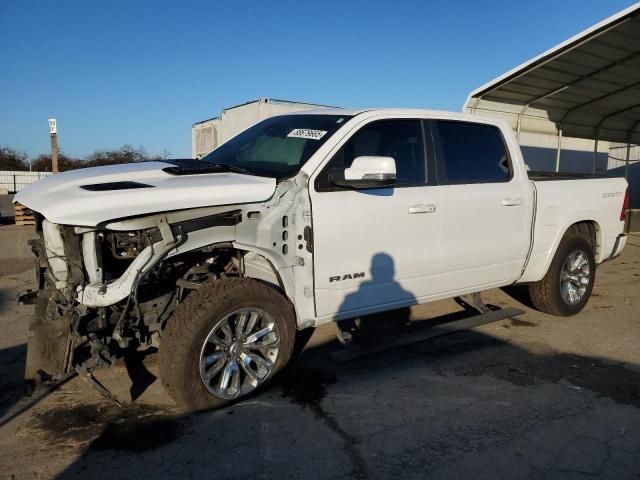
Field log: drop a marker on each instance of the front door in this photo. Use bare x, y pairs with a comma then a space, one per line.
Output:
375, 249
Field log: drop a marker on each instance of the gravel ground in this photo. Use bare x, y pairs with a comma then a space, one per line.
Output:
528, 397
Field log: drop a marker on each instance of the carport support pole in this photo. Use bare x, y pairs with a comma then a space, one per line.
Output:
595, 154
519, 122
524, 109
559, 149
626, 167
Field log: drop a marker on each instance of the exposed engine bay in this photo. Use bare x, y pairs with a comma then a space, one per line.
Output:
107, 290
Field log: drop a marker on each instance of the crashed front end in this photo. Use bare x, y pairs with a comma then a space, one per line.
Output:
106, 291
120, 247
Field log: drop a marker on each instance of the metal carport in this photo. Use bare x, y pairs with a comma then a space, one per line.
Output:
587, 87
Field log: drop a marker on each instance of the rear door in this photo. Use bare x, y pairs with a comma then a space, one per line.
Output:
484, 236
375, 249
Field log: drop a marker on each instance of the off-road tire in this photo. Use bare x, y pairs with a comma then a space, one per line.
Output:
192, 321
546, 294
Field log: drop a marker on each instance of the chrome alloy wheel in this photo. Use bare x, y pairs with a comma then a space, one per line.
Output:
239, 353
575, 277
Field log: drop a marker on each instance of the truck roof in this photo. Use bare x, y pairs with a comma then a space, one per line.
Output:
422, 112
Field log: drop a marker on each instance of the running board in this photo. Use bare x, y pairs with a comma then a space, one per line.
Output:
354, 352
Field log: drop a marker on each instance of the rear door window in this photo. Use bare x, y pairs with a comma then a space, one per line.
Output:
470, 153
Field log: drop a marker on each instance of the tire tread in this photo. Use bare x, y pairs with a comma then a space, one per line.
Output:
542, 292
194, 314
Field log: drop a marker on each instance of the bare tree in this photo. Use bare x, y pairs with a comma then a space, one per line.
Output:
11, 159
42, 163
124, 154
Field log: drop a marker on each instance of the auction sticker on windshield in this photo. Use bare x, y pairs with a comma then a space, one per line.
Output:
307, 133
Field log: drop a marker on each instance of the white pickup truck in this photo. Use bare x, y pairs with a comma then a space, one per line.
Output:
299, 220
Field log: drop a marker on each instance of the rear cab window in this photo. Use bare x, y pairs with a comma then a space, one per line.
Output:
469, 152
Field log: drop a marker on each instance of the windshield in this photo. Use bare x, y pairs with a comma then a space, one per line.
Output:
278, 146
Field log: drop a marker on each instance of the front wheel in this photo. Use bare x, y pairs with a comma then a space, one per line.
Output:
225, 341
567, 285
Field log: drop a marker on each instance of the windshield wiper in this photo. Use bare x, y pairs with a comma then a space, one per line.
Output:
204, 167
231, 168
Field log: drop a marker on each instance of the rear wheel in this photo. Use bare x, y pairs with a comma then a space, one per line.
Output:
225, 341
567, 286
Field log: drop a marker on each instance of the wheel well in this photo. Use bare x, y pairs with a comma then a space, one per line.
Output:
254, 265
226, 259
591, 230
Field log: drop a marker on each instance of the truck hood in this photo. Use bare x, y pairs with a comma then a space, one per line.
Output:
91, 196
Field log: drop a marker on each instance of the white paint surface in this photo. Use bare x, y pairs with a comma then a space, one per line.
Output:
61, 200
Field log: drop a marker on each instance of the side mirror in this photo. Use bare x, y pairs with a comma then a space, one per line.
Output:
366, 172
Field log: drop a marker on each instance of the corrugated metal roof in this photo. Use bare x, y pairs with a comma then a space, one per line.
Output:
589, 85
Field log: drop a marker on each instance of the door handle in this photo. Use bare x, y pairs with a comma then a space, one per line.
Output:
511, 202
422, 208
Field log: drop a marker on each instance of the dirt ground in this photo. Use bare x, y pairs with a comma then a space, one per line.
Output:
529, 397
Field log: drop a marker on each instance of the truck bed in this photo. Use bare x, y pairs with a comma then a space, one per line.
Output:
593, 198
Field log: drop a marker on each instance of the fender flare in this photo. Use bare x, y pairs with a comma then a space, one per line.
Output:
533, 275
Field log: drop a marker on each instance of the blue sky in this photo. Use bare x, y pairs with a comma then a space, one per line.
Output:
141, 72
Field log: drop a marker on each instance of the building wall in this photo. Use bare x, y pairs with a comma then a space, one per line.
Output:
236, 119
204, 136
618, 166
576, 156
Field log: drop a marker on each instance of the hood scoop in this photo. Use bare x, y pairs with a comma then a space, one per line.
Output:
105, 187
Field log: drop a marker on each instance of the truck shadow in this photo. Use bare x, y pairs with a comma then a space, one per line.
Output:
319, 416
5, 299
7, 220
381, 281
395, 390
12, 361
520, 293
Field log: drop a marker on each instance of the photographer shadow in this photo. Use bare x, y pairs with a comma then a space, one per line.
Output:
366, 329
